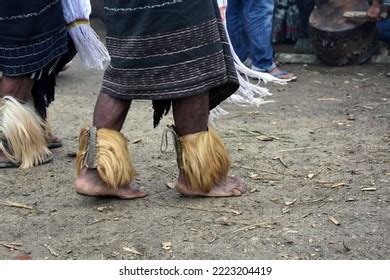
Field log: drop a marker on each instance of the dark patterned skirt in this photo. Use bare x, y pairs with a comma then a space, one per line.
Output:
167, 49
286, 25
41, 61
19, 58
32, 36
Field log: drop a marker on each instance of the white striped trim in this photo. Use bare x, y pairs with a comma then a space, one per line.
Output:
167, 66
179, 92
204, 74
143, 7
30, 64
31, 45
31, 14
36, 53
164, 34
165, 54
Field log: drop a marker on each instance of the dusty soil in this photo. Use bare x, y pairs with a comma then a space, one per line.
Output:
316, 160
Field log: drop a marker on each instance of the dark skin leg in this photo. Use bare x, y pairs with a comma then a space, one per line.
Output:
109, 113
191, 116
20, 89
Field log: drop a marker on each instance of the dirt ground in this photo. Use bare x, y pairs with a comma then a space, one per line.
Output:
315, 157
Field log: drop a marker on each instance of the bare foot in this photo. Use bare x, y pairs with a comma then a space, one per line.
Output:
89, 183
233, 186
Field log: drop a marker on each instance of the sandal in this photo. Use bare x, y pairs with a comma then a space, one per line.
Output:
10, 164
53, 141
52, 144
284, 75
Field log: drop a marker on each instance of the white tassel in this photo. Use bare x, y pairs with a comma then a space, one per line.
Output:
92, 52
250, 93
216, 113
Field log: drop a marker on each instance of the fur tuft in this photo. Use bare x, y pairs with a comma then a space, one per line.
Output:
112, 157
83, 146
23, 131
205, 161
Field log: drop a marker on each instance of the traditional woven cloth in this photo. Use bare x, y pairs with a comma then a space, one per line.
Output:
166, 49
32, 35
286, 26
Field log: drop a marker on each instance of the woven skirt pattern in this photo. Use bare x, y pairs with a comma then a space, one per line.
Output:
166, 50
22, 58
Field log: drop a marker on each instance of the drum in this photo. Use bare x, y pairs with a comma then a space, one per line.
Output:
338, 40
